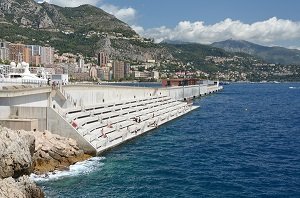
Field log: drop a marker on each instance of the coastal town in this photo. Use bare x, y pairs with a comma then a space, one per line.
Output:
103, 67
105, 98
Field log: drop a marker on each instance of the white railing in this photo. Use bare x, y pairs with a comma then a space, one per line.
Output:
23, 81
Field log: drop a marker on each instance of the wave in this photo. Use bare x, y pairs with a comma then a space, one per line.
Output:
294, 87
80, 168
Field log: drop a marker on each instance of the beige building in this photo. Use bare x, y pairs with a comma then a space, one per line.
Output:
16, 52
27, 55
36, 60
47, 55
118, 70
139, 74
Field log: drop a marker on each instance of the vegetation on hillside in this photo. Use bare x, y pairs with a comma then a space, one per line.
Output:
278, 55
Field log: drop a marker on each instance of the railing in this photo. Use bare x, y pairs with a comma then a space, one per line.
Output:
23, 81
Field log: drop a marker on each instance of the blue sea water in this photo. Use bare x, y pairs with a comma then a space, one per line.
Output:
241, 142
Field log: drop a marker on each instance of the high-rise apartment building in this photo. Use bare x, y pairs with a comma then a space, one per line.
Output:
4, 54
4, 51
118, 70
126, 69
27, 57
36, 60
35, 49
102, 59
47, 55
16, 52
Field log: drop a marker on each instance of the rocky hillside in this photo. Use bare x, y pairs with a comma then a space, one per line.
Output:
277, 55
28, 13
85, 29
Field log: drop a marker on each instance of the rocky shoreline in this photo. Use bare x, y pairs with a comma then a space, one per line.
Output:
54, 152
26, 152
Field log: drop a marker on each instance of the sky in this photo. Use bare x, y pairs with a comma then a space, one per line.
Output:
265, 22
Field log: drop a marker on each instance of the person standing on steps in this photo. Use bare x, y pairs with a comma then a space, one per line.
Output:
103, 134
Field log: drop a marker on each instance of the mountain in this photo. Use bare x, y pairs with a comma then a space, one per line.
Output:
28, 13
174, 42
187, 52
277, 55
199, 55
85, 29
195, 54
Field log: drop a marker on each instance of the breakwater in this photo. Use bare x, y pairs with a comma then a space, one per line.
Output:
101, 117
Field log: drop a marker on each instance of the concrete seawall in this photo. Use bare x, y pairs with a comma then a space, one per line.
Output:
95, 94
81, 112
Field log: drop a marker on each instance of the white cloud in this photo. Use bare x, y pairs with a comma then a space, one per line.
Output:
138, 29
294, 47
127, 15
263, 32
71, 3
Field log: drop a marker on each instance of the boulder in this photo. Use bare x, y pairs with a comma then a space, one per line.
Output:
21, 152
21, 187
54, 152
16, 152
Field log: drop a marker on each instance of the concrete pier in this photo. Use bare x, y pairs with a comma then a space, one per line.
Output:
100, 117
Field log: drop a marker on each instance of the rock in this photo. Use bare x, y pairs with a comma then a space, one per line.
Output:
22, 151
25, 21
31, 190
21, 187
43, 155
16, 152
72, 142
52, 152
55, 156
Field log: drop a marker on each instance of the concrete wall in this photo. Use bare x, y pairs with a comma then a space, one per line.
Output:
61, 100
39, 113
193, 91
18, 124
57, 125
35, 100
203, 90
89, 94
5, 112
93, 94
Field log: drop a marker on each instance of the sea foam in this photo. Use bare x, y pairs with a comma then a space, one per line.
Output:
80, 168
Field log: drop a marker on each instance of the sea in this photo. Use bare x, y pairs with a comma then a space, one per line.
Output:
242, 142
